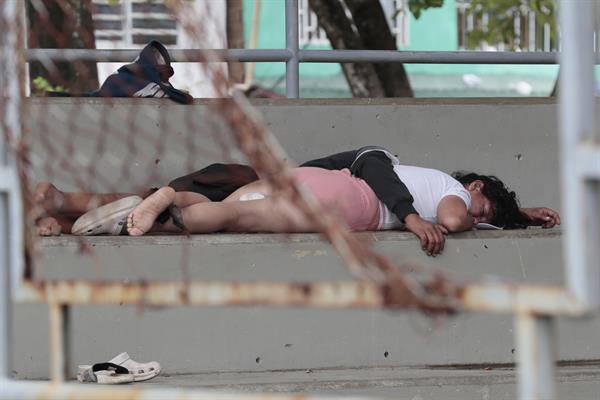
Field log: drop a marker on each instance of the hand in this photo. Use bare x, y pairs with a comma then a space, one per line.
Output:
546, 217
431, 235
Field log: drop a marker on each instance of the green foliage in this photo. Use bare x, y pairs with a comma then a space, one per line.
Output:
501, 15
417, 6
42, 86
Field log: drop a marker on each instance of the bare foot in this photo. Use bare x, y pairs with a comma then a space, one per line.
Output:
143, 216
48, 198
48, 227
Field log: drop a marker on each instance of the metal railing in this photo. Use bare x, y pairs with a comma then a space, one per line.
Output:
534, 306
293, 56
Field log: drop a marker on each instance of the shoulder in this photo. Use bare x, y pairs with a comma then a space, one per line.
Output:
445, 184
454, 188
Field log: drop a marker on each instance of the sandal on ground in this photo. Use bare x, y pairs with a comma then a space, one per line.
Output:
107, 219
105, 374
140, 371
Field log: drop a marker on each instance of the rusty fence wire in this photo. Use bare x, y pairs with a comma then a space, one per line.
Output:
90, 151
78, 153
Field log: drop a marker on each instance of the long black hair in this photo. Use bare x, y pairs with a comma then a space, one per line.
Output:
504, 201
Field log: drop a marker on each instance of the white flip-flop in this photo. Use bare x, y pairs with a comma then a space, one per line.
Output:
107, 219
139, 371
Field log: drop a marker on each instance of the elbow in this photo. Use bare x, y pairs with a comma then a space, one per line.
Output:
455, 223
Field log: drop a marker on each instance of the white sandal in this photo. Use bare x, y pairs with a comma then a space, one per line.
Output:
105, 374
139, 371
107, 219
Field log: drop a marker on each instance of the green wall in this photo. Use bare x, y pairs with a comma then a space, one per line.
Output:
435, 30
271, 35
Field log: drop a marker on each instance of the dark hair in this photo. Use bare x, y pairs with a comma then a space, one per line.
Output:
504, 200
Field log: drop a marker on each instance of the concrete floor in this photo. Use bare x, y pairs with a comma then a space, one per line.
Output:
575, 382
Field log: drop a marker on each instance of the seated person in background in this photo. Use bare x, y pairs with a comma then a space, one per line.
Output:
413, 208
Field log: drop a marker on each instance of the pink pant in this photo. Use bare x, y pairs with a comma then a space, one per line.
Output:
347, 196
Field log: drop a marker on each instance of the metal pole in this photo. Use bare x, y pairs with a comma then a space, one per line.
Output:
177, 55
536, 345
10, 202
292, 66
577, 105
5, 303
59, 343
428, 57
324, 56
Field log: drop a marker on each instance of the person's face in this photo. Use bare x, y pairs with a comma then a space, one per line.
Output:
481, 207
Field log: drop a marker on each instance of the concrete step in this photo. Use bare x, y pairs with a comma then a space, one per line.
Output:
527, 256
580, 381
198, 340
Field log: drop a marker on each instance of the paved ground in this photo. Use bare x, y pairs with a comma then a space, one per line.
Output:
575, 382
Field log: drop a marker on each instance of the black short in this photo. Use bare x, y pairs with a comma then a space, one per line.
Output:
217, 181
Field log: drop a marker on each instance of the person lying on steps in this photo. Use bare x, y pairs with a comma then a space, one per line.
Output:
407, 197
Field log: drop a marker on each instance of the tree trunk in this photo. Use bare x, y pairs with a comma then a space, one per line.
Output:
235, 37
62, 24
362, 77
373, 28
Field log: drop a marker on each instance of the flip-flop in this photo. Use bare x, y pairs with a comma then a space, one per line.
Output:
107, 219
106, 374
140, 371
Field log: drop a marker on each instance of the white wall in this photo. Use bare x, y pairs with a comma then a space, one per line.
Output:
209, 18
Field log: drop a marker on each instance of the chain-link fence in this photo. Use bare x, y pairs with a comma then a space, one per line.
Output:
81, 153
76, 154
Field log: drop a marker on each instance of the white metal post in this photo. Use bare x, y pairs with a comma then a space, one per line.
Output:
578, 150
60, 341
5, 303
292, 66
536, 352
11, 241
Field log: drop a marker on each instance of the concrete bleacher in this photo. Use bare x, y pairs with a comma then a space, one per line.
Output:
514, 139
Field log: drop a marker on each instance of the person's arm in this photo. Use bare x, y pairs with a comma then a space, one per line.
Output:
541, 216
376, 169
453, 214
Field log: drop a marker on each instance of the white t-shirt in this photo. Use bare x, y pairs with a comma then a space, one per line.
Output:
428, 187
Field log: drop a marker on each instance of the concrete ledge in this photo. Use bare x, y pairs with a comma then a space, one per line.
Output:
259, 238
531, 256
197, 340
486, 382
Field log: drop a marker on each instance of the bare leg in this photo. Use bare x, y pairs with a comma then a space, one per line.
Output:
143, 216
54, 209
186, 199
54, 201
272, 214
254, 187
47, 198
